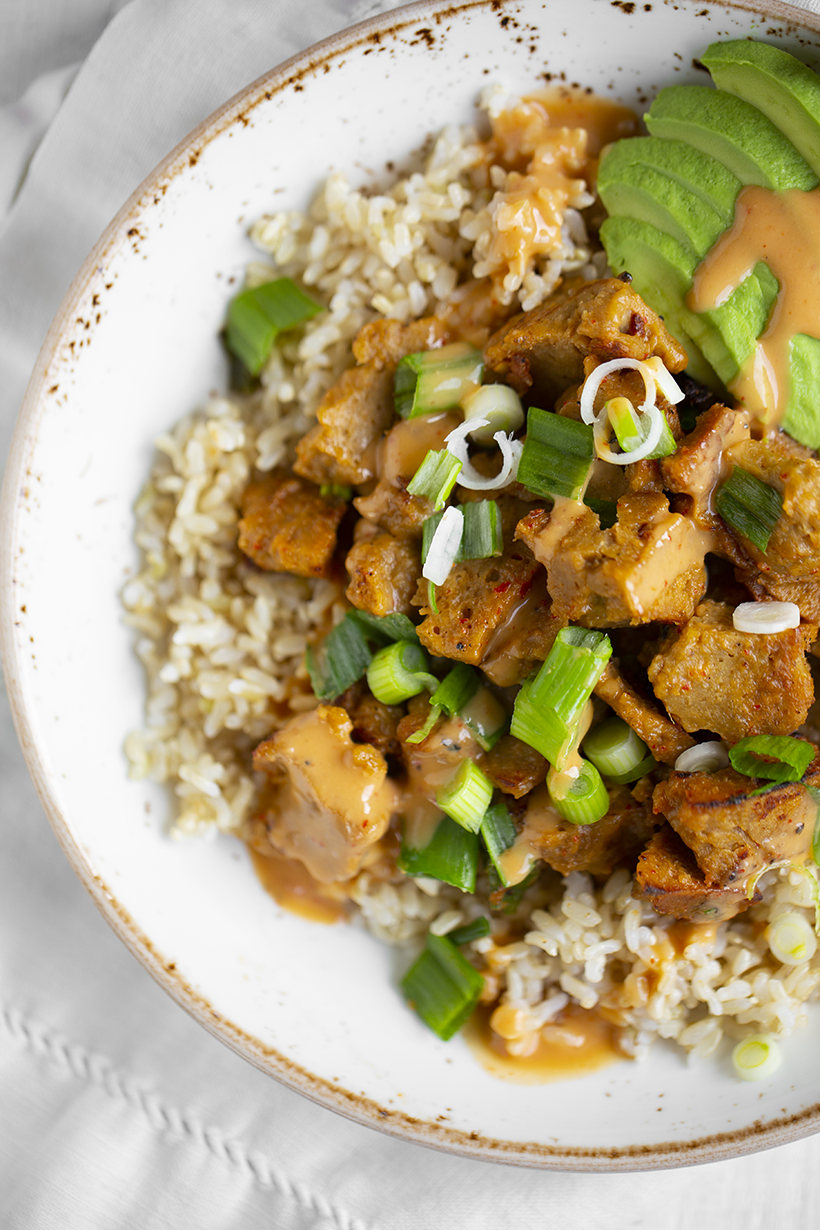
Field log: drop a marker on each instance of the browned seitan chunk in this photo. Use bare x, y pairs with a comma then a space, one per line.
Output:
478, 599
287, 526
358, 409
664, 739
598, 848
545, 349
383, 571
514, 767
373, 721
400, 454
711, 677
329, 799
733, 833
668, 877
647, 567
699, 464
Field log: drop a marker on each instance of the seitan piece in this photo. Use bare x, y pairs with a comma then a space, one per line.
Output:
475, 603
514, 767
699, 464
383, 571
664, 739
358, 409
668, 877
373, 721
649, 566
328, 799
400, 454
733, 833
711, 677
288, 526
545, 349
598, 848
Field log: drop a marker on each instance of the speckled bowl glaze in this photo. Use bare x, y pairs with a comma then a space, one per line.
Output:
133, 347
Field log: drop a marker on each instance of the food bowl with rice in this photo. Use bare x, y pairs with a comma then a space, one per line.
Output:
437, 724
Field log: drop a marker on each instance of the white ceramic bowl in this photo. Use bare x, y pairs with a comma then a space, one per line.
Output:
132, 349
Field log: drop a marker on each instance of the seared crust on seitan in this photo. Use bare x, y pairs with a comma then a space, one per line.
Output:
545, 349
711, 677
287, 526
373, 721
668, 877
383, 572
664, 739
597, 848
514, 767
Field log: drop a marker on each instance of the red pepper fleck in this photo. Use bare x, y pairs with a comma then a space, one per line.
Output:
502, 588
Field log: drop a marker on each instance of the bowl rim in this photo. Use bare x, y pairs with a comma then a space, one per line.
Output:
356, 1107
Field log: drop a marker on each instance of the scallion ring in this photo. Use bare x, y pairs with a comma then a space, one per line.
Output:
398, 672
500, 408
469, 477
444, 545
775, 758
756, 1058
703, 758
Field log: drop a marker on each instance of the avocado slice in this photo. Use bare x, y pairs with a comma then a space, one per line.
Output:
732, 131
801, 419
662, 270
781, 87
642, 192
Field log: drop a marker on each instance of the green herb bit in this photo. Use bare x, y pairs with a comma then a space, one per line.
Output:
631, 430
421, 734
257, 316
616, 751
775, 758
382, 629
341, 660
436, 380
607, 511
475, 930
456, 689
467, 797
557, 455
483, 537
487, 718
435, 477
443, 987
451, 855
751, 507
399, 671
582, 799
499, 833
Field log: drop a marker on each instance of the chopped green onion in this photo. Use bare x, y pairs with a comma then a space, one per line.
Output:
451, 856
398, 672
428, 533
486, 717
436, 380
548, 708
382, 629
607, 511
467, 797
482, 530
456, 689
791, 938
615, 749
776, 758
442, 986
582, 799
510, 900
421, 734
475, 930
435, 477
499, 834
756, 1058
631, 431
431, 597
499, 405
815, 841
751, 507
444, 546
557, 456
341, 660
633, 775
255, 317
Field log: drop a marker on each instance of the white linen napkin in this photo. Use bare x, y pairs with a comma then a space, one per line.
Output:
116, 1109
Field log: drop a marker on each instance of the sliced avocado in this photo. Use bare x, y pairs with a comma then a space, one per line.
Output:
781, 87
662, 269
732, 131
650, 196
701, 175
801, 419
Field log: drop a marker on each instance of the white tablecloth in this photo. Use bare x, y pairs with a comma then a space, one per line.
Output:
117, 1110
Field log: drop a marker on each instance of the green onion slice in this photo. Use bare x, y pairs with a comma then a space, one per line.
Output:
451, 855
467, 797
607, 511
436, 380
257, 316
500, 407
815, 842
499, 833
775, 758
487, 718
475, 930
582, 799
631, 431
615, 750
751, 507
456, 689
341, 660
756, 1058
483, 537
435, 477
382, 629
399, 671
557, 456
548, 708
421, 734
442, 986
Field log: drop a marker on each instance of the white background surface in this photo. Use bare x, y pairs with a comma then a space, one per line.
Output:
116, 1110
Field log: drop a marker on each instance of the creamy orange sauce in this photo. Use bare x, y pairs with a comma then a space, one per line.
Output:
431, 765
405, 446
293, 887
576, 1043
782, 229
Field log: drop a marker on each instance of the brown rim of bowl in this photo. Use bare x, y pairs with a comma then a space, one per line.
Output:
290, 74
